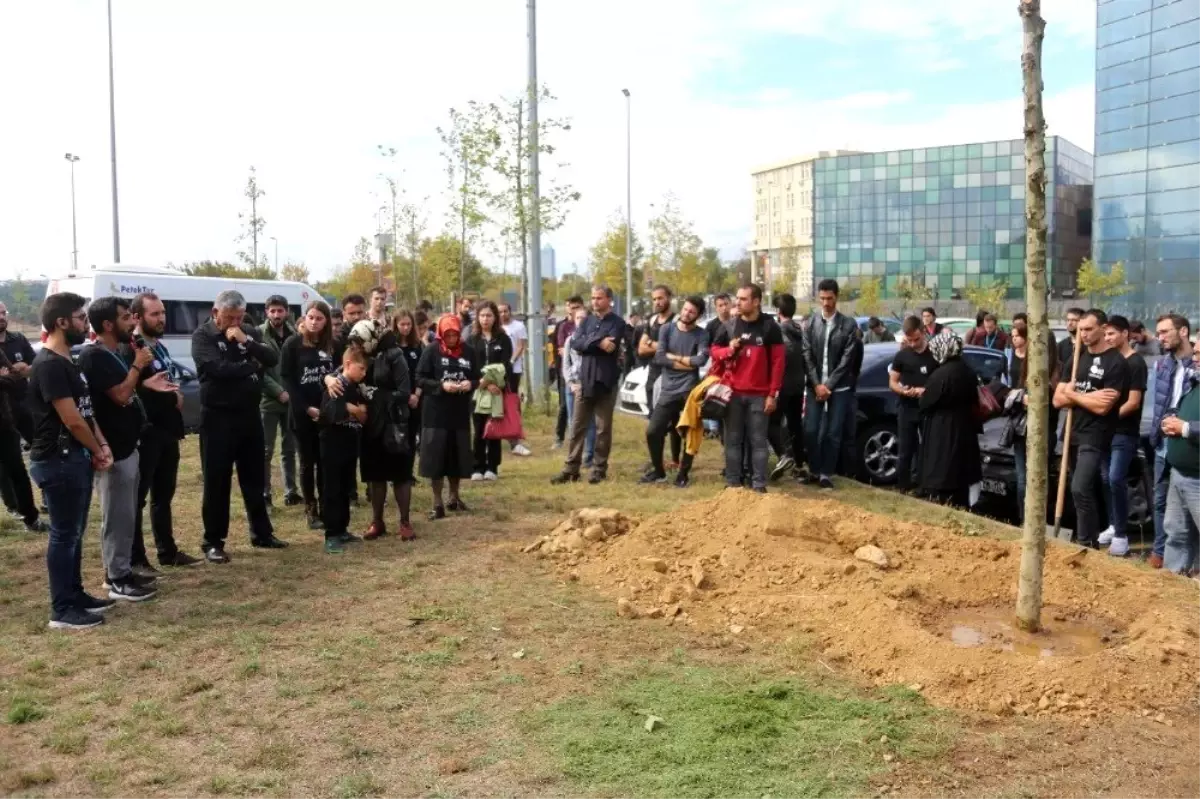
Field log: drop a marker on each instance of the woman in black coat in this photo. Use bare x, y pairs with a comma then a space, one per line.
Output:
950, 462
404, 326
447, 376
488, 344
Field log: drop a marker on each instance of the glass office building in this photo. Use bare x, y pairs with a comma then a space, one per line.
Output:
948, 217
1147, 191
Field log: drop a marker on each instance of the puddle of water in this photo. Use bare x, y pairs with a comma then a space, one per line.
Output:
992, 627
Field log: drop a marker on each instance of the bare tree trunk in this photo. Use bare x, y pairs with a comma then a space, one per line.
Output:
1038, 432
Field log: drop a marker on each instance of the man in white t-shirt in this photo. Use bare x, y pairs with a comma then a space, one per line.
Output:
517, 332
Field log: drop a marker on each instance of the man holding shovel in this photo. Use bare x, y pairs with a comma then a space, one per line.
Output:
1092, 390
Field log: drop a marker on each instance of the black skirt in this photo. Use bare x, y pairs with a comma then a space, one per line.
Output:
445, 453
377, 465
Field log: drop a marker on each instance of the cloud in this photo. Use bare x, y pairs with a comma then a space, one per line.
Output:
879, 99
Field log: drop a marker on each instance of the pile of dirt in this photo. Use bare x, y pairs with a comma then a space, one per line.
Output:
900, 603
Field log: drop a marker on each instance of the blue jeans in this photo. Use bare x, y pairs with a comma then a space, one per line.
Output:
1182, 521
1116, 481
66, 484
589, 443
824, 426
1162, 481
746, 426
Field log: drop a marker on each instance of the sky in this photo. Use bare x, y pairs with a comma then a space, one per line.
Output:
306, 90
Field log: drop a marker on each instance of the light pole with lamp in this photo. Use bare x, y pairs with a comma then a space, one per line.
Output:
628, 208
112, 142
74, 238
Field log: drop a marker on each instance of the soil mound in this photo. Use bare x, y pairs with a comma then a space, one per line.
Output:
900, 603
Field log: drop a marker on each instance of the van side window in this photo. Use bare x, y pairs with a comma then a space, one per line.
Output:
184, 317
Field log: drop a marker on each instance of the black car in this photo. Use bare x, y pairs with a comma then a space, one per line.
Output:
875, 450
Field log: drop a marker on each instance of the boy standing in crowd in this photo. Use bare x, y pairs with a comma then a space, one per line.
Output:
831, 350
341, 418
682, 349
1125, 438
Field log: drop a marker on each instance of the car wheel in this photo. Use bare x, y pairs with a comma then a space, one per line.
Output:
878, 449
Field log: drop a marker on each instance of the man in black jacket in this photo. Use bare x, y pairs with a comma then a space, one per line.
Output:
832, 354
787, 423
230, 358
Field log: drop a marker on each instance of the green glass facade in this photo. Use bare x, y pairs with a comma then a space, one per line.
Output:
947, 217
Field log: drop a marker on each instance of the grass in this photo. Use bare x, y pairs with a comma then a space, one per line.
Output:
390, 670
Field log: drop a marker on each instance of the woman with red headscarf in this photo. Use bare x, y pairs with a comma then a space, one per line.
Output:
447, 376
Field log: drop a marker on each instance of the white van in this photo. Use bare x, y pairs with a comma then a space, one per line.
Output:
188, 300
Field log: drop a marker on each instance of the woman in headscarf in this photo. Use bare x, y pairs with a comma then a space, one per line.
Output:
489, 344
379, 462
304, 360
408, 334
950, 450
447, 376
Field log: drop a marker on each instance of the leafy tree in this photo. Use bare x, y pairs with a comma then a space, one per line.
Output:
606, 263
23, 299
469, 145
672, 239
252, 223
911, 293
988, 298
1095, 284
869, 292
742, 270
441, 260
297, 272
783, 279
226, 269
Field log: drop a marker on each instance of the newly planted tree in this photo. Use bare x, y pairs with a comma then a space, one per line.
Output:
987, 296
672, 239
469, 144
252, 223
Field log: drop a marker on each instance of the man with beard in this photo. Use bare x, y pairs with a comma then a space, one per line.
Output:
1142, 342
158, 452
465, 307
113, 384
15, 424
229, 359
1171, 374
274, 406
354, 308
910, 370
682, 349
647, 347
1066, 347
1100, 387
65, 451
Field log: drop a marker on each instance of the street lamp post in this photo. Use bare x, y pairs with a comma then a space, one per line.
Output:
537, 324
112, 142
628, 208
276, 255
74, 238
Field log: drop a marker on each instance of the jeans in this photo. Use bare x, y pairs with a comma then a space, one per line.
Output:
746, 424
1182, 522
1116, 481
276, 422
158, 461
118, 489
908, 440
1085, 490
308, 446
662, 421
1162, 480
589, 448
824, 426
67, 485
591, 411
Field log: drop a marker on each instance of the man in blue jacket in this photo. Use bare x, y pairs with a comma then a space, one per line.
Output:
1170, 379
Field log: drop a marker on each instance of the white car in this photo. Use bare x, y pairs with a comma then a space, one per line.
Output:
632, 398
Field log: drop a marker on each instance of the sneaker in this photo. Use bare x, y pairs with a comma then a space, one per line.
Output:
825, 483
476, 477
315, 523
36, 526
490, 476
293, 499
75, 619
215, 555
810, 479
270, 542
521, 450
786, 464
129, 591
1118, 547
350, 538
179, 560
651, 478
1106, 537
563, 478
146, 571
406, 532
93, 604
333, 546
134, 578
682, 481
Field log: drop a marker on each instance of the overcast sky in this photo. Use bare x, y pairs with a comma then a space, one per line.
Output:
306, 89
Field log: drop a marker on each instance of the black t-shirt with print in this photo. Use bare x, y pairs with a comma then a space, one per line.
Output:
53, 377
1096, 373
914, 369
303, 369
19, 350
442, 411
120, 424
1139, 374
162, 407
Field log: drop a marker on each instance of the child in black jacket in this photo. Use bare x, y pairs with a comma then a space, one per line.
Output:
341, 422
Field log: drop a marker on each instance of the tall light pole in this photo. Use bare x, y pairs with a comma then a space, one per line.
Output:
537, 325
74, 239
628, 208
112, 142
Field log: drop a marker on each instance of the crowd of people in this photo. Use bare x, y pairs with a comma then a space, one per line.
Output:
360, 395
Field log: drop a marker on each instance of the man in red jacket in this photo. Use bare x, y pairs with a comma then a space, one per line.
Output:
748, 353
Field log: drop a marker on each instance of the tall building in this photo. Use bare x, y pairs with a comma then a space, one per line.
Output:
549, 266
947, 217
1148, 151
783, 221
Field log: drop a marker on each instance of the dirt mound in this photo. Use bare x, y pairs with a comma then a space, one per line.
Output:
899, 602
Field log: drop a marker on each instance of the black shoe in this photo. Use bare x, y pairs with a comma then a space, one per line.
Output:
438, 512
134, 578
129, 591
825, 483
215, 555
315, 523
293, 499
457, 505
36, 526
270, 542
75, 619
179, 559
652, 477
564, 478
93, 604
350, 538
597, 477
809, 479
760, 490
145, 571
682, 481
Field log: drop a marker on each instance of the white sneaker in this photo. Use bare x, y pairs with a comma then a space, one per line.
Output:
490, 476
522, 450
1119, 547
1106, 537
476, 477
